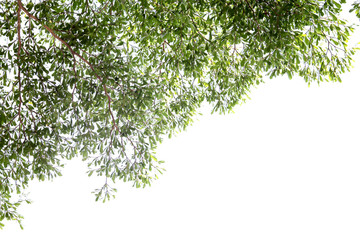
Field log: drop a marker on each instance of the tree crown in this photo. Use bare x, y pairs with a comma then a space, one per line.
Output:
108, 79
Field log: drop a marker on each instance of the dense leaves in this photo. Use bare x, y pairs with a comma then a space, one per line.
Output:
108, 79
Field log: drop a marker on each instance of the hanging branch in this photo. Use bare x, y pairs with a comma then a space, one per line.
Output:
18, 55
21, 7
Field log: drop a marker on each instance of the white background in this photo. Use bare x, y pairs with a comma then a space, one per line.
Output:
285, 166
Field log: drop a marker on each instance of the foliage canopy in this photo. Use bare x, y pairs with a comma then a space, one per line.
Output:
109, 79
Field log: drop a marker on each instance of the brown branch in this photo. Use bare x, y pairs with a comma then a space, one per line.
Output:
18, 53
9, 123
21, 7
60, 39
102, 9
194, 24
252, 9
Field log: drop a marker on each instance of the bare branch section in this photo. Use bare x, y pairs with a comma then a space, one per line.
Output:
21, 7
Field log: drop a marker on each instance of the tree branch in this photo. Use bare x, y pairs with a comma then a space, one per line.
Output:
18, 53
252, 9
21, 7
